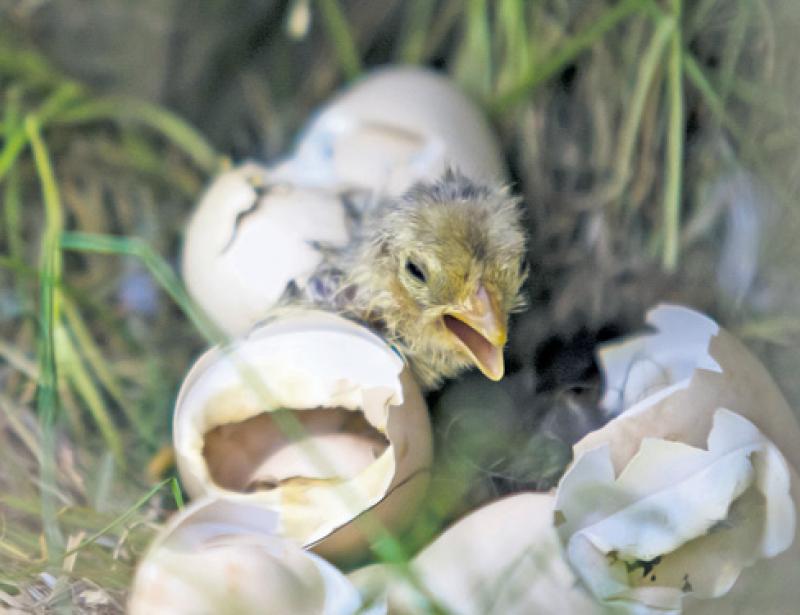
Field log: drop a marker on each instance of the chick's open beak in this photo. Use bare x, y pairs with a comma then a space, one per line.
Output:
480, 328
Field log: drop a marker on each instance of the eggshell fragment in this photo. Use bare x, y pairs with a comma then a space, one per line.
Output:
668, 384
395, 127
218, 556
502, 559
686, 487
250, 236
311, 416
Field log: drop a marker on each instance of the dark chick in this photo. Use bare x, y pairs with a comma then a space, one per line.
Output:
437, 272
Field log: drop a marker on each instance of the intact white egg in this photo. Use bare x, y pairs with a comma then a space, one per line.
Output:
393, 128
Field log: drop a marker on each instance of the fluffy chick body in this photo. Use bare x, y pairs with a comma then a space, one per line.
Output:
446, 252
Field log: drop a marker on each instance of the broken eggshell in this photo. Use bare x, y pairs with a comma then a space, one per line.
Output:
393, 128
218, 556
312, 416
250, 236
502, 559
686, 487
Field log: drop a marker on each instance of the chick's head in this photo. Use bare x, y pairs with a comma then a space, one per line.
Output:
445, 271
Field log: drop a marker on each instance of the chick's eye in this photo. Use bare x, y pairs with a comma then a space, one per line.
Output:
415, 271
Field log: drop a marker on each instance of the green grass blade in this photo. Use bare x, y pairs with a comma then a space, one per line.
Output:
341, 37
511, 30
647, 69
11, 196
416, 26
474, 62
177, 494
675, 141
158, 267
94, 357
71, 365
47, 396
162, 121
120, 519
17, 139
574, 46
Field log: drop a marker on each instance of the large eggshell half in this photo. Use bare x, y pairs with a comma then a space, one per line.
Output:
502, 559
393, 128
250, 236
353, 436
680, 393
219, 556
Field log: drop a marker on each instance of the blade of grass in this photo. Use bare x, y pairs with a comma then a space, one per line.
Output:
16, 141
12, 414
414, 36
646, 73
574, 46
27, 65
512, 31
47, 396
158, 267
177, 494
474, 61
675, 136
118, 520
11, 196
94, 357
734, 43
71, 365
162, 121
342, 38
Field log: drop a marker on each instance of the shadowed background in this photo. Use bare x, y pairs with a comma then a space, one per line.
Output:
655, 144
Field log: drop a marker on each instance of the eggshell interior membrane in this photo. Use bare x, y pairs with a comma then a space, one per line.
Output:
311, 416
259, 454
393, 128
251, 235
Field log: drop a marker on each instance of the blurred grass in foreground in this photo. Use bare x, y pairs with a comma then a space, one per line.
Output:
616, 116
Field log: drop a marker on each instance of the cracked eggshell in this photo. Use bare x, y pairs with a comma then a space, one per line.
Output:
218, 556
669, 383
367, 441
502, 559
251, 234
393, 128
692, 472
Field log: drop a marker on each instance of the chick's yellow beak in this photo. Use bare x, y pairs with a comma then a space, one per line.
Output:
479, 327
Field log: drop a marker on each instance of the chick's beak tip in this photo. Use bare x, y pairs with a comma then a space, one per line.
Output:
481, 329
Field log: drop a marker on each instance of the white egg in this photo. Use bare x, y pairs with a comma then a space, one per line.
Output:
393, 128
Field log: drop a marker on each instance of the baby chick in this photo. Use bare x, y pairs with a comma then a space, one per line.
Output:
436, 272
